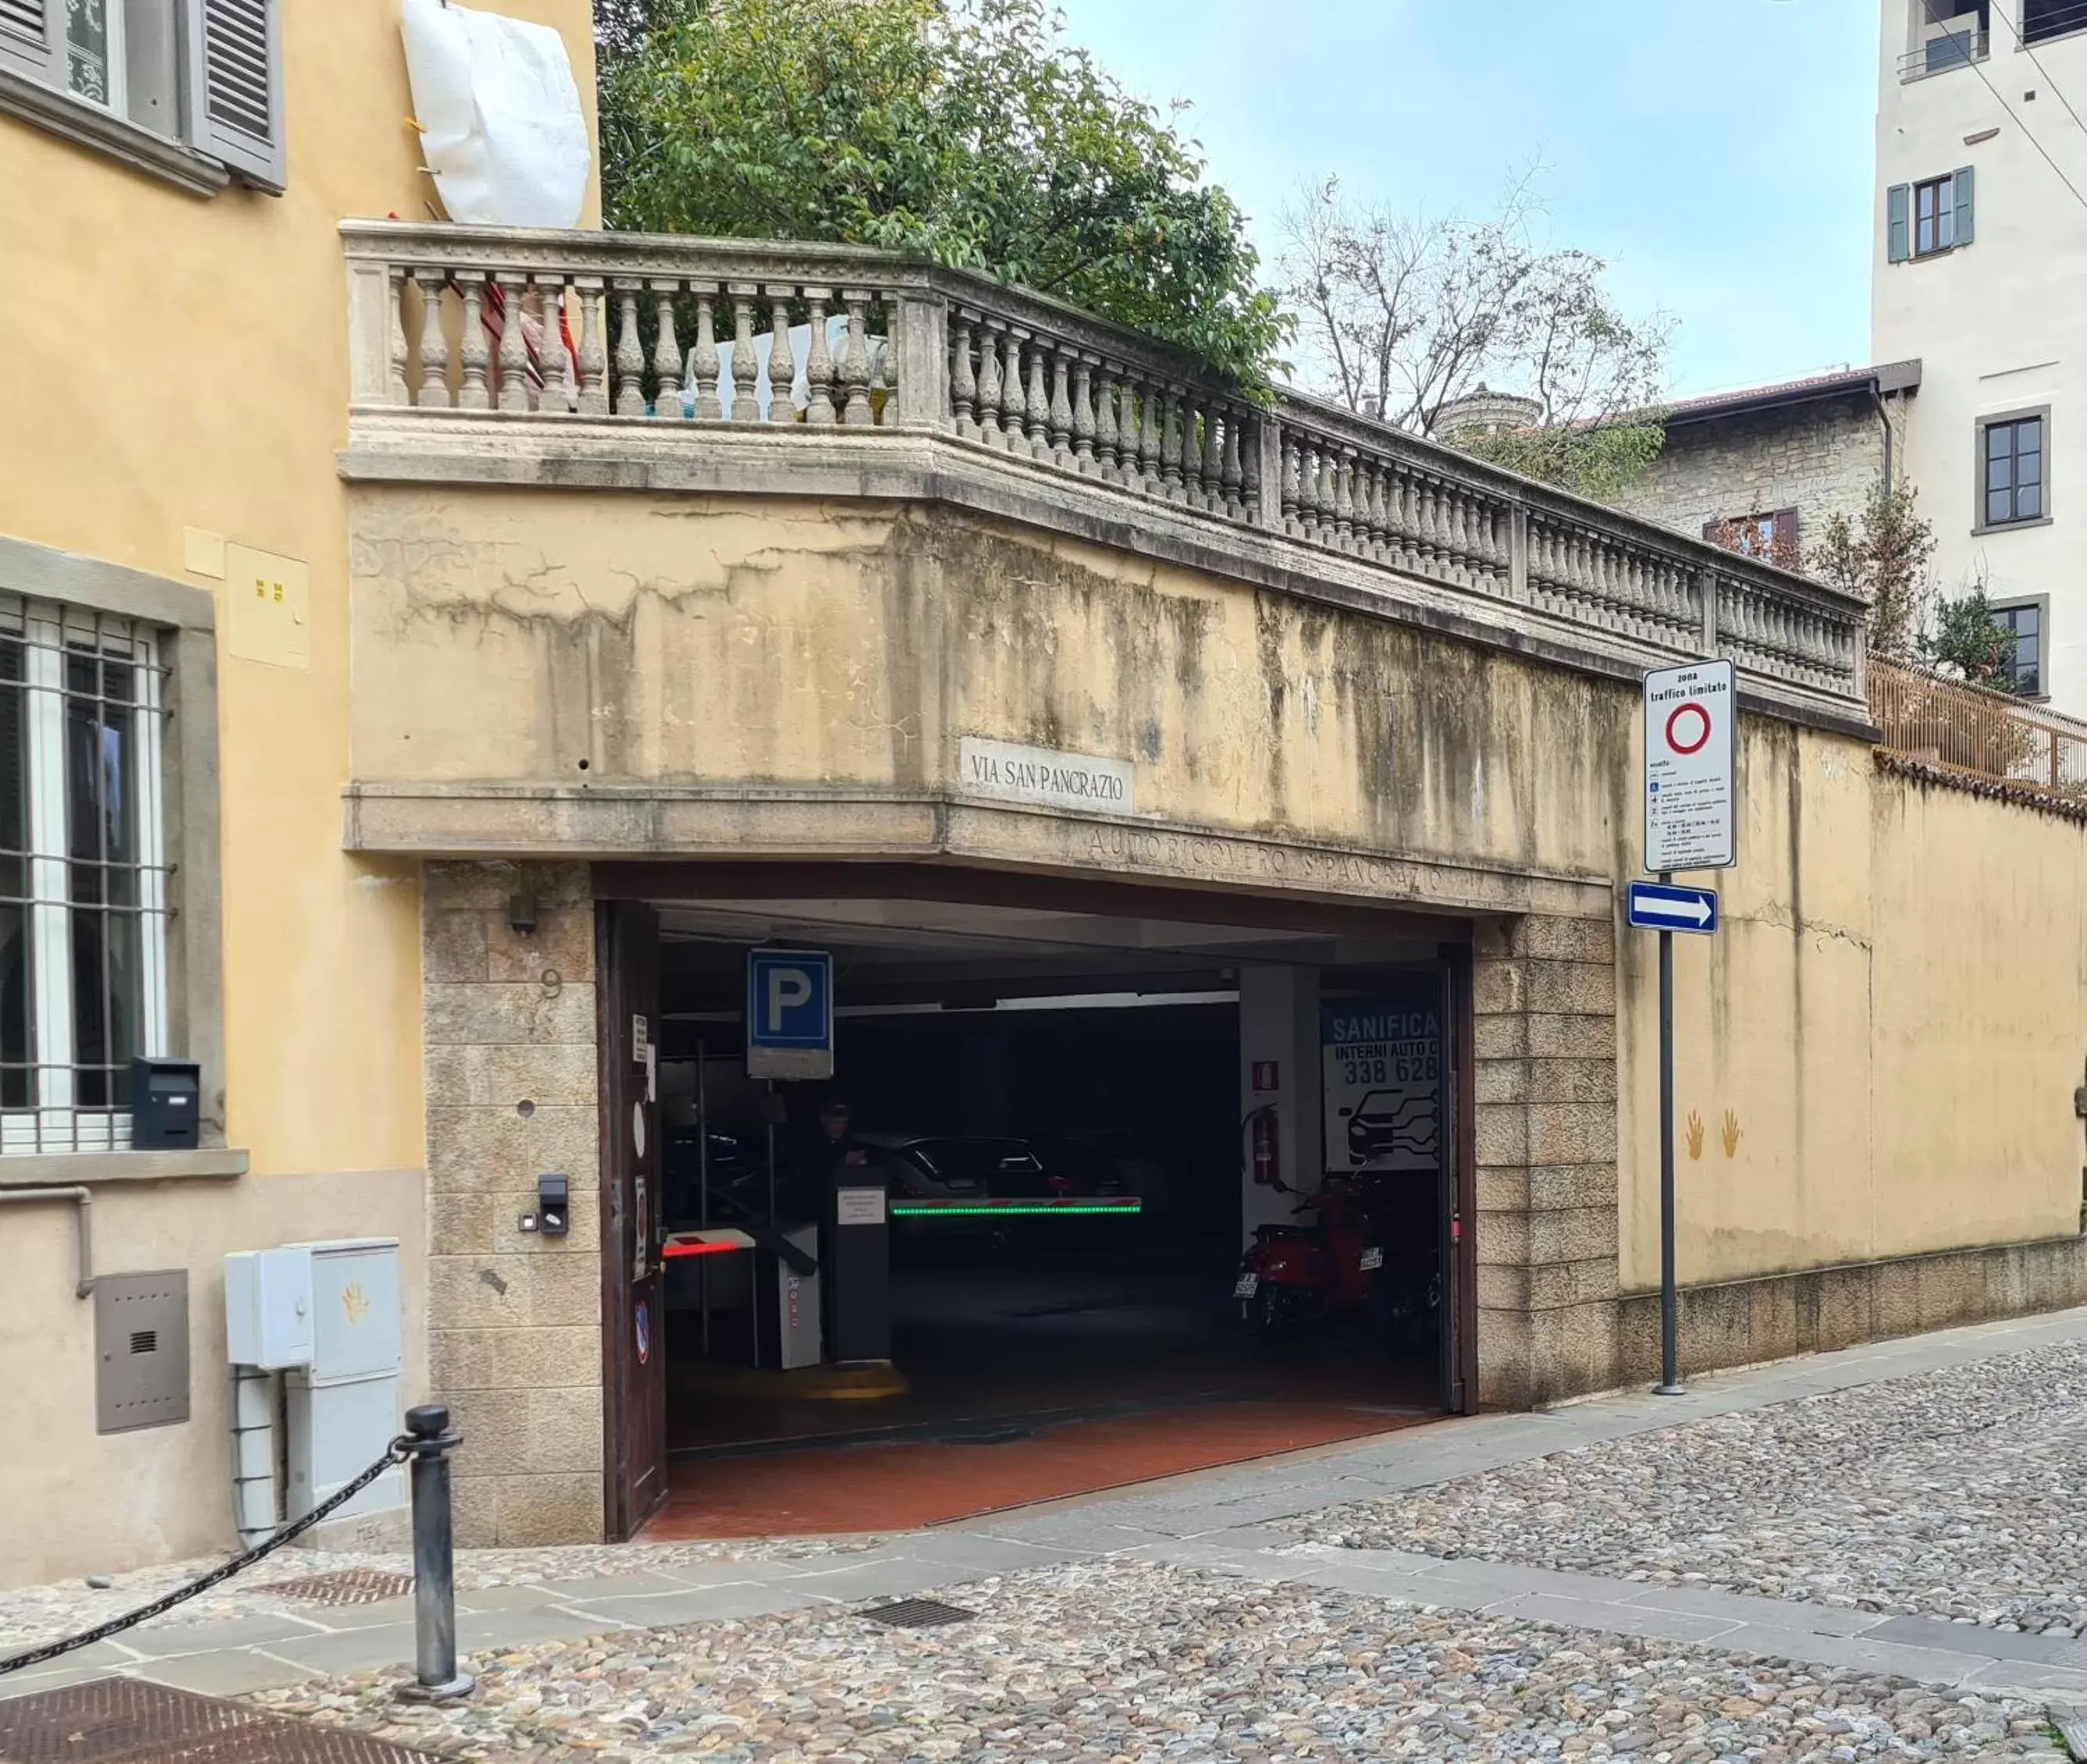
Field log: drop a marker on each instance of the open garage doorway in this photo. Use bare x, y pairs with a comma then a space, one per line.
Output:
1155, 1191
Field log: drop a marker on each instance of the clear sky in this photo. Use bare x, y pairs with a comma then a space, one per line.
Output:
1718, 152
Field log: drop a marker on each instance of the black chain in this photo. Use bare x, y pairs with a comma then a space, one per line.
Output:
397, 1452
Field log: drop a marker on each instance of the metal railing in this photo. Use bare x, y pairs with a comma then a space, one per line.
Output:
1940, 54
1975, 731
670, 340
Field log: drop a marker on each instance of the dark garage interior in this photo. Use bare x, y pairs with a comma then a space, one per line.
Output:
1054, 1111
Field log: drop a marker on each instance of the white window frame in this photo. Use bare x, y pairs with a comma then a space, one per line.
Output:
115, 19
54, 1120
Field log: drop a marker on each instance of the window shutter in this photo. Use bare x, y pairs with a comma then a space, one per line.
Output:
1898, 208
30, 38
235, 87
1961, 205
1785, 533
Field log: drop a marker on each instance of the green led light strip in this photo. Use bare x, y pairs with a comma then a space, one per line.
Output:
938, 1209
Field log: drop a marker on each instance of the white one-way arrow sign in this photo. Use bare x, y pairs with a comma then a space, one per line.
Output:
1661, 906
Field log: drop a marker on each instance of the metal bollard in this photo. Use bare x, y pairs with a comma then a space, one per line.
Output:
435, 1559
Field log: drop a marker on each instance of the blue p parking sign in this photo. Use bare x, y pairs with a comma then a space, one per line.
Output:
789, 1013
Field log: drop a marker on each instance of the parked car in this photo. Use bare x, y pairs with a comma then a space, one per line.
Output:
958, 1167
1076, 1164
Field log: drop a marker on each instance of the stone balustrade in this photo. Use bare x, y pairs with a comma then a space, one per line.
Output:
710, 336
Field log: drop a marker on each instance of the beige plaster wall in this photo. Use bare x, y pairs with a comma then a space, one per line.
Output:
583, 639
1893, 1023
77, 1502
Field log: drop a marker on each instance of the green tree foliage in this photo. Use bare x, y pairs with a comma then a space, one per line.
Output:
1965, 638
968, 132
1883, 556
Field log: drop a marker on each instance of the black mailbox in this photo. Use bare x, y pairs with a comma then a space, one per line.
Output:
166, 1105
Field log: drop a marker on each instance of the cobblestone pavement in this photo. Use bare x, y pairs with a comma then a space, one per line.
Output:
1951, 1493
1124, 1660
31, 1614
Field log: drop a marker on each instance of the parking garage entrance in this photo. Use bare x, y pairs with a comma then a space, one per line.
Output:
1092, 1183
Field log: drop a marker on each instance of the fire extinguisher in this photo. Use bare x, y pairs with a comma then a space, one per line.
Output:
1267, 1165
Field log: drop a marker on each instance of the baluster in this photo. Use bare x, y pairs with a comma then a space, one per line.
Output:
594, 346
513, 347
1325, 492
1014, 398
706, 365
474, 360
1083, 410
782, 361
1169, 456
562, 390
1151, 422
989, 383
1036, 404
1211, 469
1108, 409
1366, 509
666, 352
1132, 410
394, 313
1344, 499
819, 363
963, 381
1250, 469
1308, 488
1457, 539
745, 370
629, 352
434, 349
1060, 412
1293, 522
1231, 476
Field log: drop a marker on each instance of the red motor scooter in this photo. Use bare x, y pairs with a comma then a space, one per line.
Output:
1297, 1274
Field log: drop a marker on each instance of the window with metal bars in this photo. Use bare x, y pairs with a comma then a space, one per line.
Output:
83, 876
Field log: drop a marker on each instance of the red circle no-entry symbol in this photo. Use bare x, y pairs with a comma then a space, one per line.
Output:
1688, 728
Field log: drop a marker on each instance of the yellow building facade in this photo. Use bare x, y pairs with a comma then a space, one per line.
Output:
463, 683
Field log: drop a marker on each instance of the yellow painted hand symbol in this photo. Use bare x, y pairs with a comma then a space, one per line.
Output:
1694, 1130
1732, 1135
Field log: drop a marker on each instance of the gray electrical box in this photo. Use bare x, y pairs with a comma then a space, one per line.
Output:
141, 1350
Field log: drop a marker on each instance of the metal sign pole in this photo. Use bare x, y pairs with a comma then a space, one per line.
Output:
1670, 1347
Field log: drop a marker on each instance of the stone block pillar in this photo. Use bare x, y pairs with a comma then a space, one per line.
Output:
1545, 1089
514, 1319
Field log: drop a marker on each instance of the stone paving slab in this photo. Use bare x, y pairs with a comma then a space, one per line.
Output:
167, 1640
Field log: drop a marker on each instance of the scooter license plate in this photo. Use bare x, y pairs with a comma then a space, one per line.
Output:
1247, 1285
1372, 1259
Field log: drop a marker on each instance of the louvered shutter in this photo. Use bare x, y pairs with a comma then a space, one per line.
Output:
1786, 537
1960, 205
1898, 212
235, 87
30, 39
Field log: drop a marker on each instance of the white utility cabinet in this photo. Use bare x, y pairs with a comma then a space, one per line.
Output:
344, 1404
268, 1307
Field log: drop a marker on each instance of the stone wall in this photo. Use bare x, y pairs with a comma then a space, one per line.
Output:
1544, 995
514, 1319
1820, 459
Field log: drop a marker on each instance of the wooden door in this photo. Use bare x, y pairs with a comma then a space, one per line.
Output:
634, 1291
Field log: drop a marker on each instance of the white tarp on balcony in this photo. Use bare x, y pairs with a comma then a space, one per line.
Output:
499, 115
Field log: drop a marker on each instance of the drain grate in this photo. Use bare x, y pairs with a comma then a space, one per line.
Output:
344, 1586
918, 1614
129, 1721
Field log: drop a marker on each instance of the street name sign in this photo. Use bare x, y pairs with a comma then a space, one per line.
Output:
1664, 907
1690, 817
